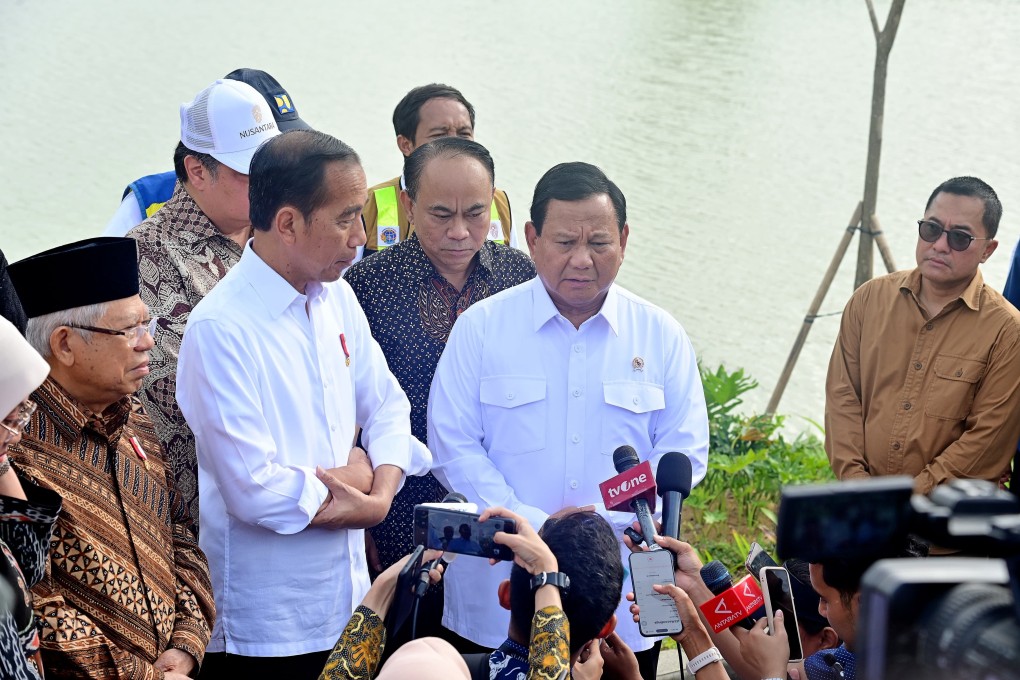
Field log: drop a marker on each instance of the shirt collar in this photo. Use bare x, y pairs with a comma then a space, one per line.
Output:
424, 266
971, 295
545, 309
72, 418
274, 290
188, 220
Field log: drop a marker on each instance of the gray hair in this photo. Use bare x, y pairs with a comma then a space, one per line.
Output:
41, 327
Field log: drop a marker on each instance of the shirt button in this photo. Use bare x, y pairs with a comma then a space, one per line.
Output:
576, 438
510, 396
636, 400
577, 348
906, 406
917, 365
959, 373
928, 327
896, 446
573, 483
577, 393
333, 427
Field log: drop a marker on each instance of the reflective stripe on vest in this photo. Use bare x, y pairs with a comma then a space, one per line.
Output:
387, 231
495, 225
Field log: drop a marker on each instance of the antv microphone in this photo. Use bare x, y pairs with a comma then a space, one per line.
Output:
673, 483
719, 580
631, 485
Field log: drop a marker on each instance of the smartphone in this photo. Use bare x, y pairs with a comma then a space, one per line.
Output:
403, 596
775, 586
460, 532
758, 558
659, 615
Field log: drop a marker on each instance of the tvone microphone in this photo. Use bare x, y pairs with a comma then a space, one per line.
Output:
741, 604
423, 574
634, 487
674, 485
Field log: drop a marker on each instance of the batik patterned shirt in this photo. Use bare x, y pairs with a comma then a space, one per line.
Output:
125, 579
25, 529
181, 256
411, 309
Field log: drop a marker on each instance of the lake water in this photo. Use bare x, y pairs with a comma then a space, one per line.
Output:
736, 128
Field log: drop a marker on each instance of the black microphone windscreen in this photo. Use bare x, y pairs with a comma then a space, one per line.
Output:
716, 577
454, 497
674, 474
624, 458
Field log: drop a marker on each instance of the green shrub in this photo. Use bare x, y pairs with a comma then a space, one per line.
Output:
749, 460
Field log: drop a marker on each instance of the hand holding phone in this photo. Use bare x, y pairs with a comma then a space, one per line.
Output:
658, 612
778, 594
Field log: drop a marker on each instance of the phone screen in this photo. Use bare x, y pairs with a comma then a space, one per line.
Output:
757, 558
658, 611
461, 532
775, 583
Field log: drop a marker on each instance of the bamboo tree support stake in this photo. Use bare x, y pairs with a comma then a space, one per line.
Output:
883, 245
883, 46
816, 304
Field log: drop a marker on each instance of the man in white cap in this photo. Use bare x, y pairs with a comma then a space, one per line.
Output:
126, 593
193, 241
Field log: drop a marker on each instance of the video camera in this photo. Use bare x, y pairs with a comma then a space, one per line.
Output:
942, 617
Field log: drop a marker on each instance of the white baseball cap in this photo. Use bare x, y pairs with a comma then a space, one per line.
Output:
229, 120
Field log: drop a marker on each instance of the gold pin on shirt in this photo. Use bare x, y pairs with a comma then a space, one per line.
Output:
638, 364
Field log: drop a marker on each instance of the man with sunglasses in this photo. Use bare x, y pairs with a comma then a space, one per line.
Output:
126, 591
924, 379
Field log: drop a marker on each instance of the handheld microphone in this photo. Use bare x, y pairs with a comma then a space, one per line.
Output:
741, 604
634, 489
423, 575
674, 485
830, 660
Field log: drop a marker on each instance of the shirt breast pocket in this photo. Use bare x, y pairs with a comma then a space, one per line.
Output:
951, 394
515, 414
628, 415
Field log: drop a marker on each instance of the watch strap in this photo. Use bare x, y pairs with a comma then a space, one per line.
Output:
551, 578
709, 656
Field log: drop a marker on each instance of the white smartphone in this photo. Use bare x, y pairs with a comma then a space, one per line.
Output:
775, 586
659, 615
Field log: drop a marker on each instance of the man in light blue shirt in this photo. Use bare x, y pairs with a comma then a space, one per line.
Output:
593, 367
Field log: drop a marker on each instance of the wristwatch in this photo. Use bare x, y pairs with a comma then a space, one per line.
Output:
552, 578
704, 659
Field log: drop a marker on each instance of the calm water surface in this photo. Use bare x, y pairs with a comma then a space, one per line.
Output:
736, 128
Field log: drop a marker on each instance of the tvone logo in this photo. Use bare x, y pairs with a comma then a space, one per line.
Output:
627, 485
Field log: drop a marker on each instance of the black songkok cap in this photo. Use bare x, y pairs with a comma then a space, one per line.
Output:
77, 274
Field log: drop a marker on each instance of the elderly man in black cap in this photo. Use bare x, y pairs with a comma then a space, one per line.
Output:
126, 592
195, 238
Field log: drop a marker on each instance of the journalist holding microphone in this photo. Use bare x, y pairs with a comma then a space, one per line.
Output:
592, 367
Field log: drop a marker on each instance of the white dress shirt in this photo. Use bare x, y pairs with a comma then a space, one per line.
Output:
534, 429
263, 381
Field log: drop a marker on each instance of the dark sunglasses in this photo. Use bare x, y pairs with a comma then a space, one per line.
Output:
957, 239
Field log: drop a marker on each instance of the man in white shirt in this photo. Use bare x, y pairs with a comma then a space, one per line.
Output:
277, 371
593, 367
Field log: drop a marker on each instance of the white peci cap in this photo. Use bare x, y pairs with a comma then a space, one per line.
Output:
228, 120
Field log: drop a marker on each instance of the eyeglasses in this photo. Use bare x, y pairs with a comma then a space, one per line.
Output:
16, 424
957, 239
134, 334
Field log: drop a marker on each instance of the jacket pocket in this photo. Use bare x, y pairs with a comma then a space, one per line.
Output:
515, 414
951, 394
631, 409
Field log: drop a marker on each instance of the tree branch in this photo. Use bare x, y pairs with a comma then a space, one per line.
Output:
874, 19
